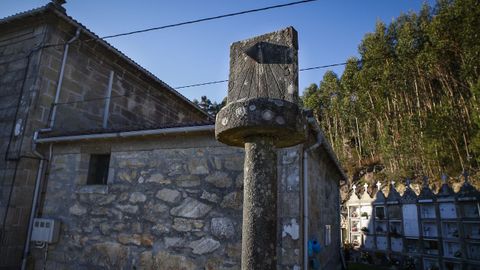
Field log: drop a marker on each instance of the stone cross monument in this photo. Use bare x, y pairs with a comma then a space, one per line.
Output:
261, 115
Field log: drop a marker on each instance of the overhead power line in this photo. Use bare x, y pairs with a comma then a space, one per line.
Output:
224, 81
200, 84
208, 19
185, 86
203, 20
360, 61
186, 22
325, 66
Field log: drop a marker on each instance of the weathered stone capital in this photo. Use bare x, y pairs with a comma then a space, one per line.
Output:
279, 119
263, 92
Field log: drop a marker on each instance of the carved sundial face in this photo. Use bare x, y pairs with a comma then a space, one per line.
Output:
265, 66
263, 92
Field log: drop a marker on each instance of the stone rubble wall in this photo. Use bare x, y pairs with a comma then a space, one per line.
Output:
163, 208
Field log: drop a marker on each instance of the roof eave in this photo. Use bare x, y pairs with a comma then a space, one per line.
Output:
128, 134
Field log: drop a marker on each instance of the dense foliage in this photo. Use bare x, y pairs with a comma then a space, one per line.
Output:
409, 106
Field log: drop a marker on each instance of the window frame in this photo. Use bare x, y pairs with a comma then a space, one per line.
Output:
98, 162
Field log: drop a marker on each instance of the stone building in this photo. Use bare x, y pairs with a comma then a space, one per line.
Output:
130, 168
416, 231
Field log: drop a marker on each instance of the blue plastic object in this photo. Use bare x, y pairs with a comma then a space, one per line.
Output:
313, 247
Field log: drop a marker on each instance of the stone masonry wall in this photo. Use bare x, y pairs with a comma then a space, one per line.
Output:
17, 75
324, 208
136, 99
170, 203
19, 63
27, 90
175, 202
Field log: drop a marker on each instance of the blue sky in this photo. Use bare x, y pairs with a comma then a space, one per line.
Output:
329, 32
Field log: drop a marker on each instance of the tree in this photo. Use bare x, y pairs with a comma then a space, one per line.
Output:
410, 105
209, 107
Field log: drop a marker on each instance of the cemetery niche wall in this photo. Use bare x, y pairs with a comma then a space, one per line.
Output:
429, 230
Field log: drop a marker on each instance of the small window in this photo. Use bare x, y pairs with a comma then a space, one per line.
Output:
98, 169
328, 235
379, 212
394, 212
471, 210
430, 247
427, 211
411, 245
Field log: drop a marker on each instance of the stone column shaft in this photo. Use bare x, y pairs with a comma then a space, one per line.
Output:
259, 229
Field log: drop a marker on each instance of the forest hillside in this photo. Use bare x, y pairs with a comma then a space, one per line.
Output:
409, 106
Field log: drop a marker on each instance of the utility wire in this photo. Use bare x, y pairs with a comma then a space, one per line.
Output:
182, 23
193, 22
171, 26
360, 61
203, 83
187, 86
191, 85
224, 81
207, 19
185, 22
198, 84
325, 66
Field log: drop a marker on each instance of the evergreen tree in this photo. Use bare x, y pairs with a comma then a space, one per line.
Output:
410, 105
212, 108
